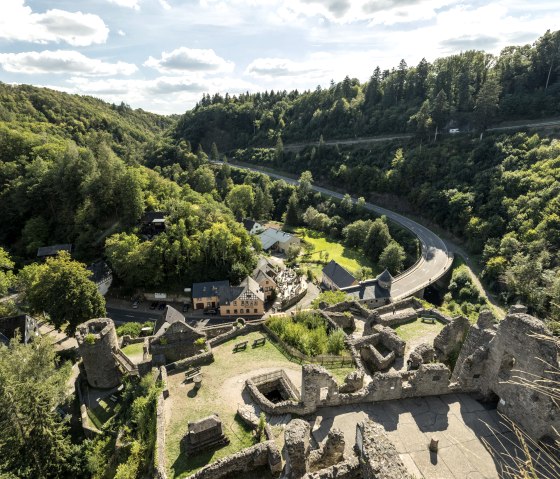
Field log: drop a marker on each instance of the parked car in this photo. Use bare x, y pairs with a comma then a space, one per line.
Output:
135, 304
154, 305
161, 306
212, 312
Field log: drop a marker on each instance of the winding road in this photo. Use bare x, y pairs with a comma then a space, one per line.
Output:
436, 258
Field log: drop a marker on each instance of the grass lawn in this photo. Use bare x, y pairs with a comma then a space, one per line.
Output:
104, 411
222, 384
417, 329
134, 349
349, 258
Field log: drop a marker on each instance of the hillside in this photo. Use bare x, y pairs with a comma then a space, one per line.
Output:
466, 91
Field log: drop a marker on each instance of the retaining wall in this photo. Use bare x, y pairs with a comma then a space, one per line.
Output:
159, 453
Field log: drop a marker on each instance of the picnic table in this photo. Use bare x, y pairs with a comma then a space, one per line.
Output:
191, 374
259, 342
240, 346
429, 319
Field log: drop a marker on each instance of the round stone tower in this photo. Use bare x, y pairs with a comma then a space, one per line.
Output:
97, 339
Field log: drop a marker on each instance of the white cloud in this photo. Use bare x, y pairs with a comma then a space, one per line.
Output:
62, 61
281, 67
165, 5
189, 59
121, 33
18, 22
134, 4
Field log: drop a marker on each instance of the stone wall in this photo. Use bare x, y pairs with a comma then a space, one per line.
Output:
411, 302
329, 452
389, 339
349, 469
376, 360
296, 442
283, 407
342, 320
379, 457
235, 332
450, 339
259, 455
198, 360
176, 343
159, 452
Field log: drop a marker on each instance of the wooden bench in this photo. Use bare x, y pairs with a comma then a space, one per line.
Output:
259, 342
191, 374
240, 346
429, 319
113, 398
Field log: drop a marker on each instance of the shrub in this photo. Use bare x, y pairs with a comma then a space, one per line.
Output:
90, 338
133, 329
335, 342
329, 297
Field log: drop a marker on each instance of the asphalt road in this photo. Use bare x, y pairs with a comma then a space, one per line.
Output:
128, 316
435, 261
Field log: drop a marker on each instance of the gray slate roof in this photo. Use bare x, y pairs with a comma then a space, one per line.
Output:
210, 288
243, 291
53, 249
271, 236
385, 277
169, 316
368, 290
338, 275
248, 224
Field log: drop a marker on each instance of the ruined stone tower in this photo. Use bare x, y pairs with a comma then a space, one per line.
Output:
97, 339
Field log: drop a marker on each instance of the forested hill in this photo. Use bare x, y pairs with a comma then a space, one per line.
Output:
467, 91
80, 118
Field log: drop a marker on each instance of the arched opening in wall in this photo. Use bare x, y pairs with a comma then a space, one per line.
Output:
491, 401
323, 394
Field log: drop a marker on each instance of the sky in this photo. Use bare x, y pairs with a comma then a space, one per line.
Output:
162, 55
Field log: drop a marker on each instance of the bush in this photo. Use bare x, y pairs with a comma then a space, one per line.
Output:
307, 332
133, 329
90, 338
335, 342
329, 297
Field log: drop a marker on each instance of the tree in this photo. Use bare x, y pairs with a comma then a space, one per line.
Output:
440, 110
392, 257
292, 211
355, 233
304, 185
377, 239
63, 289
214, 154
35, 441
203, 180
486, 105
241, 200
422, 120
347, 205
6, 274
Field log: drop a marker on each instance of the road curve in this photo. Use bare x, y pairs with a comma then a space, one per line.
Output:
435, 261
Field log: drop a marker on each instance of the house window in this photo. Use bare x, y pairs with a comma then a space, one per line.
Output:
208, 304
256, 311
235, 303
227, 311
235, 311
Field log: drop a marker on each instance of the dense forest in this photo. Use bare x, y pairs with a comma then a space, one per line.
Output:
469, 90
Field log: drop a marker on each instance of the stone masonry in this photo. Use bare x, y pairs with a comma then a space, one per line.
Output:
296, 440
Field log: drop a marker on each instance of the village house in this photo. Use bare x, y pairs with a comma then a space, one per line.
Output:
265, 274
337, 277
247, 299
275, 240
153, 223
22, 323
209, 294
252, 227
372, 292
53, 250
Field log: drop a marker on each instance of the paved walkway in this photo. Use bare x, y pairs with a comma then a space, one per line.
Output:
461, 424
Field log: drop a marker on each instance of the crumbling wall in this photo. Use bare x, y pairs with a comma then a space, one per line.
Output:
178, 342
159, 452
379, 457
470, 365
318, 386
349, 469
385, 386
343, 320
330, 452
521, 353
377, 361
450, 339
429, 380
389, 339
296, 442
251, 458
423, 353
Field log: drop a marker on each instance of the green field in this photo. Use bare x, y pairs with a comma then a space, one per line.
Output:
349, 258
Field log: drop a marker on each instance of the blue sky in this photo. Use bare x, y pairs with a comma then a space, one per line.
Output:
162, 55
